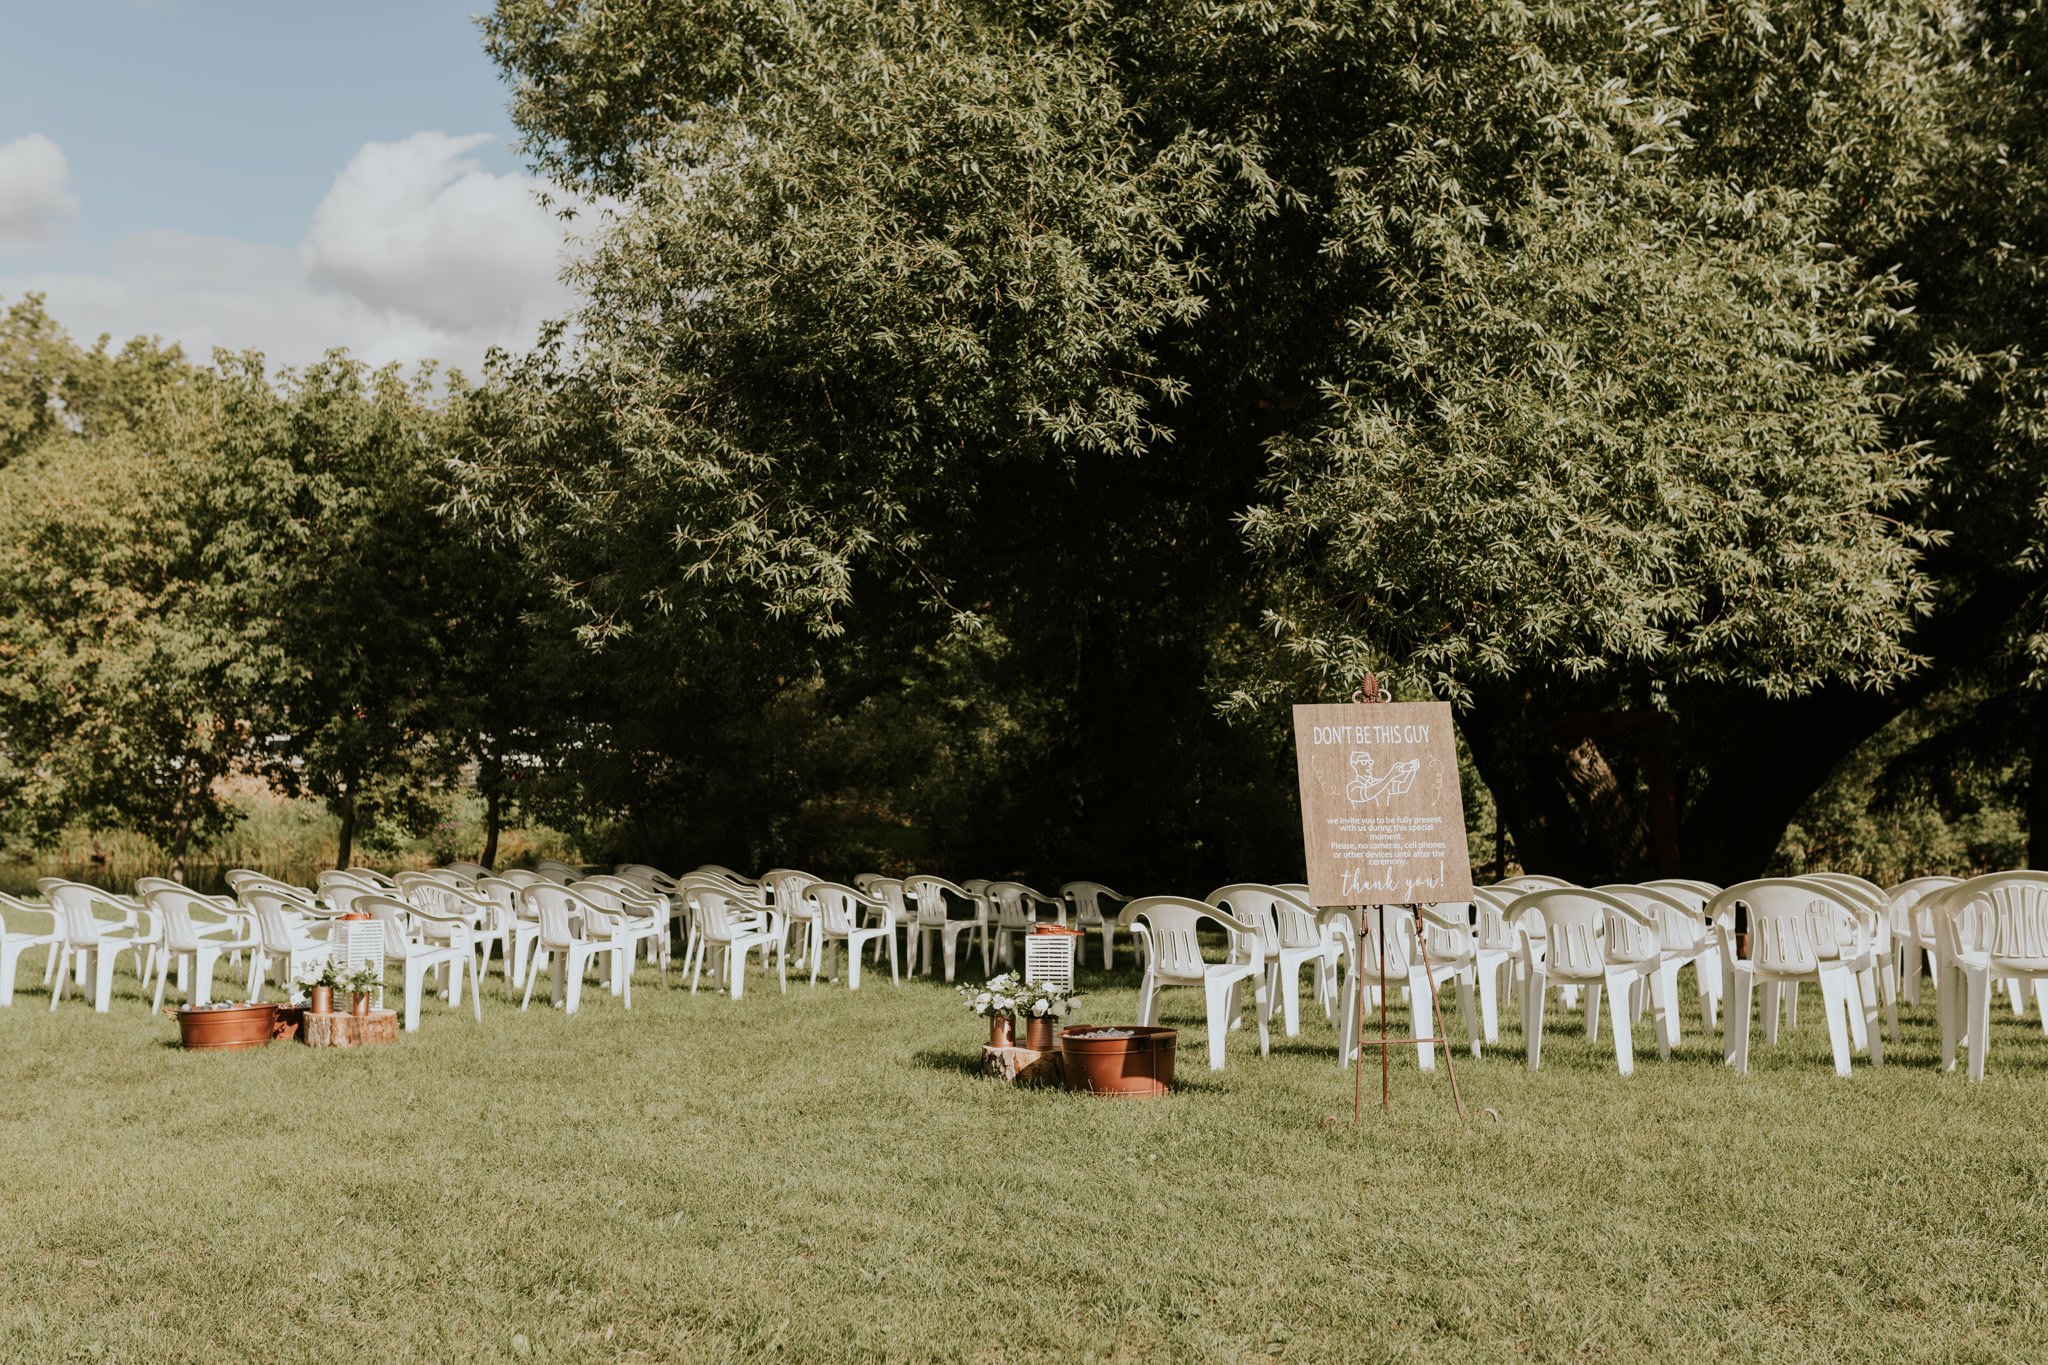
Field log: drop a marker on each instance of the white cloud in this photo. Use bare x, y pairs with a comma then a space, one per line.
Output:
415, 253
35, 190
418, 228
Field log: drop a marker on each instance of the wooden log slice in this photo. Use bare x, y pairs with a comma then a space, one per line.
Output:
341, 1029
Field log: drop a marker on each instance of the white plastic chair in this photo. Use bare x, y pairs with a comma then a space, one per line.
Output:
1496, 955
283, 938
557, 871
734, 928
1016, 909
788, 890
928, 895
1292, 938
1990, 929
569, 951
652, 875
1687, 938
1167, 930
1799, 931
649, 912
16, 941
459, 907
1874, 912
1086, 898
1913, 932
418, 956
840, 920
241, 879
521, 924
1404, 966
181, 912
1599, 942
625, 920
91, 945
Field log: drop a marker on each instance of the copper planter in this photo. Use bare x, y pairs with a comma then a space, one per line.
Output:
360, 1006
1039, 1034
322, 1001
228, 1030
1001, 1031
1138, 1065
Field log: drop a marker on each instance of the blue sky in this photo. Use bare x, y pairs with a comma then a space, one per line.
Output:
264, 172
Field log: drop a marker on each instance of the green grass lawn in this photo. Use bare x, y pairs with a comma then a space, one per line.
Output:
822, 1176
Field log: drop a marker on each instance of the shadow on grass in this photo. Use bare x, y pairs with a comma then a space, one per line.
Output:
960, 1064
937, 1059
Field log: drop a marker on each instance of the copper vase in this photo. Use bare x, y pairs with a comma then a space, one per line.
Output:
1038, 1033
1001, 1031
360, 1006
322, 1001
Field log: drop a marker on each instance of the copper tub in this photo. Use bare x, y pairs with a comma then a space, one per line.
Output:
1137, 1066
227, 1030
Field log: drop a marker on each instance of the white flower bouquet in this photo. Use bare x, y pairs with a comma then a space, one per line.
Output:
997, 995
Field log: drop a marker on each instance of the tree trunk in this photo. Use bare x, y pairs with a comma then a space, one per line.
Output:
494, 810
2037, 784
348, 831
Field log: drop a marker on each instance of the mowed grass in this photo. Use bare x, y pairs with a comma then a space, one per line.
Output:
821, 1175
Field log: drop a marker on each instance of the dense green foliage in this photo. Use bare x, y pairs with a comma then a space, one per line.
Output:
980, 419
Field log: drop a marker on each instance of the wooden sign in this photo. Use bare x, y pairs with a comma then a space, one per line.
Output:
1381, 813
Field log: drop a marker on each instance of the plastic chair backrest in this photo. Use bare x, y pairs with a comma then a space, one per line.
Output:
342, 896
1579, 930
1794, 924
1904, 905
930, 894
1282, 920
2003, 915
1524, 884
506, 895
717, 910
395, 917
1673, 924
552, 904
173, 906
1013, 904
1087, 898
1489, 918
791, 892
1168, 928
839, 906
889, 891
1398, 927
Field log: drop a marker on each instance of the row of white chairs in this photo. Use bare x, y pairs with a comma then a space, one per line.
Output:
447, 921
1860, 945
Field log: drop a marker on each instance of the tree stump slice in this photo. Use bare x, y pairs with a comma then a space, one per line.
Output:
341, 1029
1023, 1065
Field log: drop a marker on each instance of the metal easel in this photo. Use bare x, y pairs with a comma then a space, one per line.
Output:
1369, 692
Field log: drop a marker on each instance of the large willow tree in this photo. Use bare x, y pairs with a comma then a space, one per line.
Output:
1070, 367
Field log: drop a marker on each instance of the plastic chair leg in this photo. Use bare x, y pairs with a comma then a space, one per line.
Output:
1489, 1005
1618, 1019
1221, 997
1834, 999
1735, 1027
1532, 1019
1421, 1021
1978, 1033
